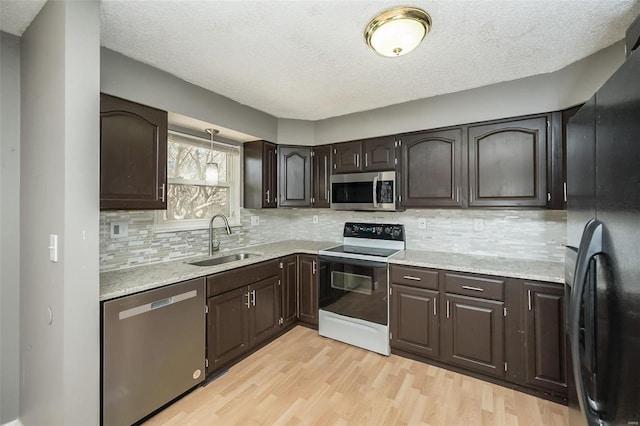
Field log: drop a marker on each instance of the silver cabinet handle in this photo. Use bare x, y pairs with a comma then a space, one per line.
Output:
468, 287
529, 298
435, 310
409, 277
162, 193
314, 268
268, 198
447, 309
248, 300
253, 297
326, 177
366, 159
457, 194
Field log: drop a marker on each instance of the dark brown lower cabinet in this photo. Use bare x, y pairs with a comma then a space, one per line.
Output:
308, 289
288, 286
227, 327
545, 337
414, 320
264, 313
474, 334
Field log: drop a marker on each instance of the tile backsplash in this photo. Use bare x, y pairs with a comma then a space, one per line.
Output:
521, 234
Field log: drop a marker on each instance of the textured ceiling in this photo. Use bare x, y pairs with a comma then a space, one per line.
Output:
308, 59
16, 15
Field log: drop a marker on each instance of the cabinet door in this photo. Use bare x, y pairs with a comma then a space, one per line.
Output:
270, 175
379, 154
295, 176
321, 176
474, 334
545, 357
508, 163
227, 327
432, 169
347, 156
308, 289
264, 315
288, 286
133, 156
414, 320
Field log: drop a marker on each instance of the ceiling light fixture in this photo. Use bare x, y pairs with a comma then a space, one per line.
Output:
397, 31
211, 173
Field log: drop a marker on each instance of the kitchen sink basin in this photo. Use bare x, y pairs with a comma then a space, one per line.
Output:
224, 259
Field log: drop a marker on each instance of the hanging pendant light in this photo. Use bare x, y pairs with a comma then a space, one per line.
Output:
211, 173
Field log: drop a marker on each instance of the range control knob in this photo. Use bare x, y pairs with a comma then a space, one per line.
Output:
379, 230
396, 232
387, 230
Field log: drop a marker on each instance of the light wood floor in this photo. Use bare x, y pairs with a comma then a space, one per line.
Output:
302, 378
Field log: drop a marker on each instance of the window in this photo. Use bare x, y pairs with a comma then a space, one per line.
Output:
190, 201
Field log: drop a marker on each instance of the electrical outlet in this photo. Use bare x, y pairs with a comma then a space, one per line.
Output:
478, 224
422, 223
255, 220
119, 229
315, 218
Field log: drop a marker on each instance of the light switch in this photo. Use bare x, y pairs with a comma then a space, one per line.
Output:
255, 220
53, 248
422, 223
315, 218
478, 224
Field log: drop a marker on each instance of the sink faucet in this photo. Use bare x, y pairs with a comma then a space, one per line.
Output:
215, 245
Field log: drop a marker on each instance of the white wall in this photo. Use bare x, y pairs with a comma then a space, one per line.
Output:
542, 93
59, 195
127, 78
9, 226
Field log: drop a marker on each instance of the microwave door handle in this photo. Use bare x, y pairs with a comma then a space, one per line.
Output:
375, 197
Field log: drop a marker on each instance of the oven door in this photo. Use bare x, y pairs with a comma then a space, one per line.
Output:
354, 288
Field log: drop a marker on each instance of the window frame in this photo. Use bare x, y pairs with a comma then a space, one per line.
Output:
234, 163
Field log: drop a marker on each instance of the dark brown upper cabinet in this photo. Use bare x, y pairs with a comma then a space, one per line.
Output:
321, 176
508, 163
369, 155
133, 156
545, 358
260, 175
294, 164
379, 154
432, 169
347, 157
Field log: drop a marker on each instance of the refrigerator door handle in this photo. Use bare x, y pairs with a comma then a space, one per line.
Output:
590, 246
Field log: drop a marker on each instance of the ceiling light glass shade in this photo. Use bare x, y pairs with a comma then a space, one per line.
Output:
397, 31
211, 174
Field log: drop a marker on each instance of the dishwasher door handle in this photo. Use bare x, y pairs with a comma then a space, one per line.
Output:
148, 307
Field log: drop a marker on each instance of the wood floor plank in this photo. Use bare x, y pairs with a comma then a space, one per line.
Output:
304, 379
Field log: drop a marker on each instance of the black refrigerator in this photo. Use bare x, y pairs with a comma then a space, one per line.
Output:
603, 252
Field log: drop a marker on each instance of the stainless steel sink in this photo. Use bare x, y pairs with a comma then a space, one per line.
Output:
224, 259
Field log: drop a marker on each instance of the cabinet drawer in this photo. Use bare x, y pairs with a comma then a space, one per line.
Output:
235, 278
414, 277
475, 286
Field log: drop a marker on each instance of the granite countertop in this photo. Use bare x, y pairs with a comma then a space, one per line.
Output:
146, 277
128, 281
488, 265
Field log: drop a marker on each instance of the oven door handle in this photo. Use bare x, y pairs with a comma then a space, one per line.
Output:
375, 195
354, 262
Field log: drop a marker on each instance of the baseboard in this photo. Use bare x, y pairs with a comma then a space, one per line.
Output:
15, 422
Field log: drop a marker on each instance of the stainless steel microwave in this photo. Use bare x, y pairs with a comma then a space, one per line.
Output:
364, 191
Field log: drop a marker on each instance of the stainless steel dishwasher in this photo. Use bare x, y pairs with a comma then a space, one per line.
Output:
153, 350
